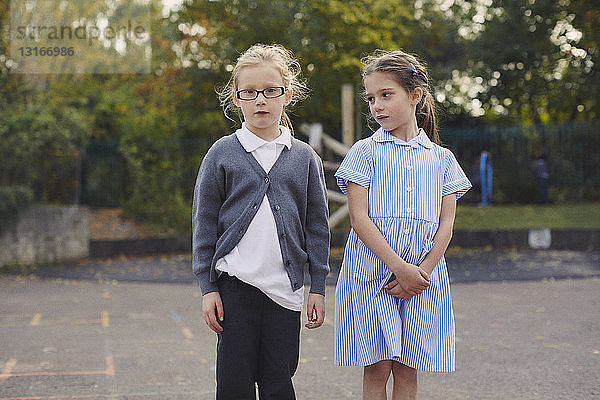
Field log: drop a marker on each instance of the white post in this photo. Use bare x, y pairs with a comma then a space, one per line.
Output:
315, 137
347, 114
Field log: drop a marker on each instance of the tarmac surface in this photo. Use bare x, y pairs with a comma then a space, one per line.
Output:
527, 327
464, 265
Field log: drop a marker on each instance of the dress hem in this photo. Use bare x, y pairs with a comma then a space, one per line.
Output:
432, 370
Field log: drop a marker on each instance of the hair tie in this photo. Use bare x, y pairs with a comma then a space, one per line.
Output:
414, 69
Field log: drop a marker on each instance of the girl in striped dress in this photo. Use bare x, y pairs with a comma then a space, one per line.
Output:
393, 305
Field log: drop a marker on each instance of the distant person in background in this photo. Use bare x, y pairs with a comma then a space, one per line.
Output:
486, 176
541, 180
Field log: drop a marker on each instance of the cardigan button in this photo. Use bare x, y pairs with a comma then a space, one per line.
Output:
266, 179
277, 208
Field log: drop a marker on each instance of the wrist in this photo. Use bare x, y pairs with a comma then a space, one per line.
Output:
401, 267
427, 268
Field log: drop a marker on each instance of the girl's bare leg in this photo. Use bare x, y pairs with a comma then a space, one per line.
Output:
375, 379
405, 382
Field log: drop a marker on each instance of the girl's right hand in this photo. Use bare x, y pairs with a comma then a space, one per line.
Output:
394, 289
212, 309
412, 279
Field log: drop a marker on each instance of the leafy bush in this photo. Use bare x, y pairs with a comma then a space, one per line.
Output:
12, 200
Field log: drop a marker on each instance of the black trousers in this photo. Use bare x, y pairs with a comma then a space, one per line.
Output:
259, 344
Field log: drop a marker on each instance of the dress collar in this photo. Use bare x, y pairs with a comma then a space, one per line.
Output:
421, 139
251, 142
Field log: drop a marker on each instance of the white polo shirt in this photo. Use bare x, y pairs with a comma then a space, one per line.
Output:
257, 258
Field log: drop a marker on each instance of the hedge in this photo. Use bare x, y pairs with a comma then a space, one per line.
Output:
12, 200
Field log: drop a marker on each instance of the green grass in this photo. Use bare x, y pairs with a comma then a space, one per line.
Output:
15, 269
564, 216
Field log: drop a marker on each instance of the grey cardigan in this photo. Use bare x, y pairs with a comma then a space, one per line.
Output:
230, 187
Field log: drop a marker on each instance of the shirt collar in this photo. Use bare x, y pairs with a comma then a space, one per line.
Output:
251, 142
421, 139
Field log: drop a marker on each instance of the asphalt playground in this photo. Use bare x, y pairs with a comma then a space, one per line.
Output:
527, 327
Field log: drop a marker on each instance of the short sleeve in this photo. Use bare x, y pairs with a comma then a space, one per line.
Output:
455, 180
354, 168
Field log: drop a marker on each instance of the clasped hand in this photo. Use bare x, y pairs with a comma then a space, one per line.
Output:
410, 281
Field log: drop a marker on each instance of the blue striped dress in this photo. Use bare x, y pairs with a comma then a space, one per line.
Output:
406, 182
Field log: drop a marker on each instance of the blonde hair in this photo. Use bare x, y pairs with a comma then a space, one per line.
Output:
410, 73
277, 56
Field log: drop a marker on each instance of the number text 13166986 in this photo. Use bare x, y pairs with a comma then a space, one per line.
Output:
46, 51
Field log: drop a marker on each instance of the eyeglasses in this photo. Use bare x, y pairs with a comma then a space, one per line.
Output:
252, 94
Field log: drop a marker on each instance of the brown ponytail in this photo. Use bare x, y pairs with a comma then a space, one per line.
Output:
425, 114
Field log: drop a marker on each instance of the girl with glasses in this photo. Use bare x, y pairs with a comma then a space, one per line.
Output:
259, 215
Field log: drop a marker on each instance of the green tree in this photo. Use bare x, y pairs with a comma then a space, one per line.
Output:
42, 136
530, 61
328, 36
523, 62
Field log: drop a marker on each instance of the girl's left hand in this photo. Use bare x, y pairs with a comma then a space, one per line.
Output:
315, 310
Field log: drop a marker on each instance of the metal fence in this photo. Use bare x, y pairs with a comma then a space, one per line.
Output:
98, 176
571, 152
104, 175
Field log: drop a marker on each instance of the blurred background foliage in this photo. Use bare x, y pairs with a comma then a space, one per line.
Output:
517, 78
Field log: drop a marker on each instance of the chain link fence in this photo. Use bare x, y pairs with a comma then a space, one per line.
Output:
98, 175
571, 152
